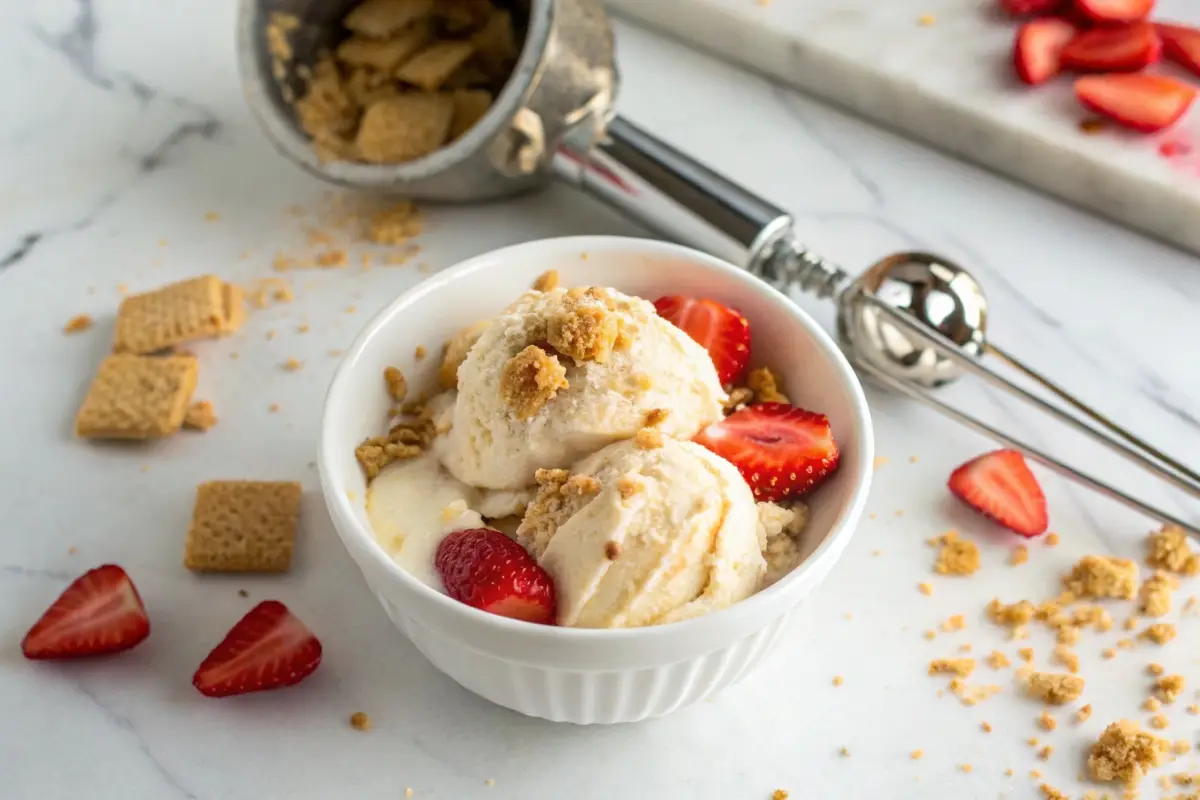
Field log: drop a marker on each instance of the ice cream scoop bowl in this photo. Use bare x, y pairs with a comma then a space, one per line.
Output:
573, 674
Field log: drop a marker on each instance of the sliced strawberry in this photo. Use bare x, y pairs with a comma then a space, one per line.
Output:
1127, 48
1181, 44
267, 649
1022, 8
1115, 10
101, 612
720, 330
1146, 103
1037, 49
782, 451
487, 570
1000, 486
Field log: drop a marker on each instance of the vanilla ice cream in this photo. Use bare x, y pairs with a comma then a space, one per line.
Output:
596, 362
634, 536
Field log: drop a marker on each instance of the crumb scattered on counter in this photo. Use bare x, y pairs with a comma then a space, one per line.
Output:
1019, 556
779, 794
1098, 577
957, 556
420, 353
1169, 550
200, 416
1160, 633
1084, 713
1054, 688
1155, 597
925, 588
998, 660
1160, 722
961, 667
1046, 721
1169, 687
360, 721
78, 324
1125, 753
838, 680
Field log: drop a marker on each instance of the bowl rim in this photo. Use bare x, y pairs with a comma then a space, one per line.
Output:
830, 547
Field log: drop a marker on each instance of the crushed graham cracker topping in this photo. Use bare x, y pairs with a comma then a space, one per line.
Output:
1160, 633
648, 439
1169, 687
1054, 688
656, 417
530, 380
957, 556
404, 440
586, 327
559, 496
1169, 550
456, 352
1098, 577
1125, 753
962, 667
547, 281
1155, 597
397, 386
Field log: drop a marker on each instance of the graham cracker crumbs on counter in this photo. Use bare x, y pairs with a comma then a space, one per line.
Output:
1160, 633
965, 767
211, 216
1108, 653
420, 353
273, 408
997, 660
1050, 793
1169, 687
779, 794
530, 380
408, 793
547, 281
1098, 577
844, 752
926, 20
930, 635
1019, 556
293, 365
1033, 741
1084, 713
1130, 624
962, 667
648, 439
916, 755
1181, 747
72, 550
78, 324
1055, 688
360, 721
1012, 615
1026, 654
1155, 669
1051, 539
925, 588
954, 623
1169, 550
351, 309
1046, 721
1066, 657
1151, 704
957, 556
1160, 722
397, 386
985, 727
200, 416
838, 680
1193, 709
965, 648
1155, 597
879, 462
1125, 753
1045, 753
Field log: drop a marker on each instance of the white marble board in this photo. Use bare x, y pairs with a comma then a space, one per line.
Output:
939, 70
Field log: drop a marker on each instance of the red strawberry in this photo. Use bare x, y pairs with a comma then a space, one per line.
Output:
1038, 46
723, 332
1023, 8
1181, 44
1146, 103
267, 649
1000, 486
487, 570
1115, 10
1114, 49
782, 451
101, 612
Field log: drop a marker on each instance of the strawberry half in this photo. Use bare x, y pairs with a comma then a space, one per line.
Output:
1146, 103
1000, 486
1038, 47
487, 570
1124, 49
267, 649
782, 451
1115, 10
1181, 44
100, 612
1023, 8
720, 330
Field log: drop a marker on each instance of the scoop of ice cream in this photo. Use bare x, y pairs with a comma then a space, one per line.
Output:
560, 374
637, 536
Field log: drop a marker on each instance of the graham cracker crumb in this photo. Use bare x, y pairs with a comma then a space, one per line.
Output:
420, 353
547, 281
200, 416
1160, 633
1108, 653
1160, 722
925, 588
1193, 709
1019, 613
1155, 598
656, 417
78, 324
530, 380
583, 331
779, 794
293, 365
612, 551
243, 526
957, 556
1045, 752
1047, 722
395, 224
274, 407
397, 386
961, 667
648, 439
1155, 669
844, 752
986, 727
1054, 688
360, 721
1169, 550
559, 496
1026, 654
1066, 657
1019, 556
1051, 793
965, 767
1051, 540
739, 397
404, 440
1151, 704
1096, 577
137, 397
1084, 713
916, 755
765, 385
997, 660
1125, 753
628, 487
1181, 747
1169, 687
954, 623
456, 353
930, 635
837, 680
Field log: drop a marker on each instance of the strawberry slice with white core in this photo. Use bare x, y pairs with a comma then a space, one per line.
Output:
782, 451
1000, 486
1038, 48
1146, 103
1028, 8
267, 649
1106, 11
1127, 48
719, 329
101, 612
1181, 44
485, 569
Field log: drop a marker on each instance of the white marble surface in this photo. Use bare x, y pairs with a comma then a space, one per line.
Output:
951, 84
125, 126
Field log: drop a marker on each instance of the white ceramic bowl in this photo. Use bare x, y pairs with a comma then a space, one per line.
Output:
566, 674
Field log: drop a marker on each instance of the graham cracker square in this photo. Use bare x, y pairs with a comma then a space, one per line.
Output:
404, 127
379, 19
434, 65
137, 397
181, 312
469, 107
496, 44
385, 55
243, 526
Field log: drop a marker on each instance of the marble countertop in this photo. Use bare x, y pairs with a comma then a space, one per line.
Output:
129, 161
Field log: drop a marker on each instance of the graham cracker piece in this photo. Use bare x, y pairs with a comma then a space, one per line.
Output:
380, 19
464, 15
232, 308
328, 112
434, 65
384, 55
243, 526
177, 313
137, 397
200, 416
530, 380
496, 44
404, 127
469, 107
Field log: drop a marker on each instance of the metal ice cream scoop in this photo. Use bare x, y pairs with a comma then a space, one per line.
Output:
912, 322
